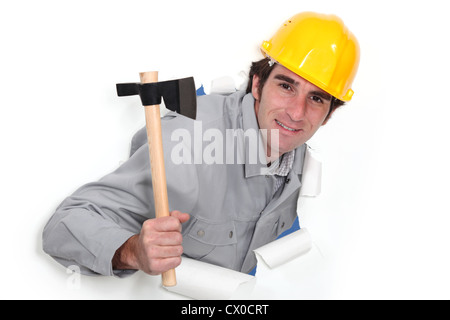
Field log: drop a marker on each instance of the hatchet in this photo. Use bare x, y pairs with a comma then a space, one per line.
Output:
179, 96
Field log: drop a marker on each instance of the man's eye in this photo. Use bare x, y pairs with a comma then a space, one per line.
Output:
285, 86
317, 99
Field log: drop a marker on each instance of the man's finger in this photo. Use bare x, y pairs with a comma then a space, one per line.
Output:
163, 252
182, 217
165, 224
171, 238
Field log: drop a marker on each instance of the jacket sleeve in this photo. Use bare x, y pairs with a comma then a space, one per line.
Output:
90, 225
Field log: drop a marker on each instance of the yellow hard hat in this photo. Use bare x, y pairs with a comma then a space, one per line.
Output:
320, 49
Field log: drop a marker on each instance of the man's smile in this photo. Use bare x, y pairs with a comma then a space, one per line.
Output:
286, 127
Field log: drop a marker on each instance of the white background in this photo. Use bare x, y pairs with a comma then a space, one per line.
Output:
380, 226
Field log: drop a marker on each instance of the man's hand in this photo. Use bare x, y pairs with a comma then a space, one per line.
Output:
156, 249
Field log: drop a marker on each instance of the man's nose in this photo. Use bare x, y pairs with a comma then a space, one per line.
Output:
296, 110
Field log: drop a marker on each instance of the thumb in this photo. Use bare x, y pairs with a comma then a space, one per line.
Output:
183, 217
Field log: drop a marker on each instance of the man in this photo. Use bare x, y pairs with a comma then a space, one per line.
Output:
221, 210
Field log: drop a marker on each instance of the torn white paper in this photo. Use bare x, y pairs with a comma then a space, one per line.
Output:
312, 175
204, 281
224, 85
285, 249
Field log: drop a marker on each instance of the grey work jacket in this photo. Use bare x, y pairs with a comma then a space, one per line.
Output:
232, 206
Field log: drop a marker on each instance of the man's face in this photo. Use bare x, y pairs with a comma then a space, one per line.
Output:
292, 105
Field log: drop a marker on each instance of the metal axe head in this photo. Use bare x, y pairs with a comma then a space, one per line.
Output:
179, 95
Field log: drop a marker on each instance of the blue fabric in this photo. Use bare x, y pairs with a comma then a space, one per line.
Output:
201, 91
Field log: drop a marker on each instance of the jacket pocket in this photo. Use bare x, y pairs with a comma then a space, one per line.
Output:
211, 242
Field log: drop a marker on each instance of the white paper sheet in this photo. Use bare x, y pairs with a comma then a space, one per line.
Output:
204, 281
312, 175
285, 249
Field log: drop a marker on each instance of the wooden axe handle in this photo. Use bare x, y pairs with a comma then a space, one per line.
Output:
153, 124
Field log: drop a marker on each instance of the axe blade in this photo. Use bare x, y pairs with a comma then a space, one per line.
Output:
187, 97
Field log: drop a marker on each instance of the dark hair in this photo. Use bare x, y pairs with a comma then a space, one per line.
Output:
263, 68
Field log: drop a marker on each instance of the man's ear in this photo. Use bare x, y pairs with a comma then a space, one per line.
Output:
255, 87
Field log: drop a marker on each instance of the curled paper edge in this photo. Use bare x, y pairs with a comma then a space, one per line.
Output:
204, 281
285, 249
312, 175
